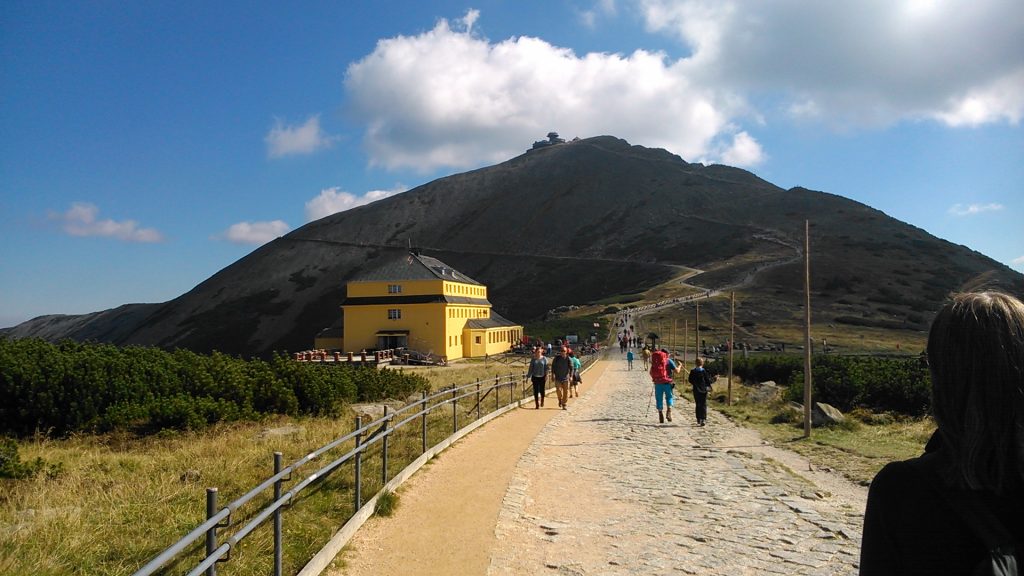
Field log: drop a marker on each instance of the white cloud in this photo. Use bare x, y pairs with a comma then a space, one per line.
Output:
81, 220
1018, 261
256, 233
744, 151
288, 140
601, 8
857, 63
452, 99
972, 209
333, 200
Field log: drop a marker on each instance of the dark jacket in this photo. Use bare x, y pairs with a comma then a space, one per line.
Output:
561, 367
700, 379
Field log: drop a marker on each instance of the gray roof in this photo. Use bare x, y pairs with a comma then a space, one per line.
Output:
413, 266
495, 321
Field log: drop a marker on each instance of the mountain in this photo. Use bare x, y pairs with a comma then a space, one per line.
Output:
570, 223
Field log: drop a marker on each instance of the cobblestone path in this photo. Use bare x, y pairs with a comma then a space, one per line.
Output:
605, 489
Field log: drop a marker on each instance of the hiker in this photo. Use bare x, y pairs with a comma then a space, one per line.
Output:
959, 508
538, 373
561, 370
646, 355
662, 369
576, 379
701, 382
629, 359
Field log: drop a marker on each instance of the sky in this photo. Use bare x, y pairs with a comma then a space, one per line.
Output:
144, 146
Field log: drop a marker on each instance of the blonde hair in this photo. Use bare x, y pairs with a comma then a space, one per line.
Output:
976, 357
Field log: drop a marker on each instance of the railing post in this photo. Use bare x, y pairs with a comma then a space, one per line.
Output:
278, 544
477, 398
384, 449
424, 422
497, 402
455, 409
211, 534
359, 465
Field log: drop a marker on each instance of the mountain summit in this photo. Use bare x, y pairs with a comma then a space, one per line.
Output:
568, 223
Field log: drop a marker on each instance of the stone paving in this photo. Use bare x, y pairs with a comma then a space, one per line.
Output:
605, 489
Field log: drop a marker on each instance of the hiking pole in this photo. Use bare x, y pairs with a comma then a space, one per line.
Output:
649, 401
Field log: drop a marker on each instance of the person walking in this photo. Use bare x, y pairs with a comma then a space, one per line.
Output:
646, 355
701, 382
662, 369
959, 508
629, 359
561, 370
576, 379
538, 373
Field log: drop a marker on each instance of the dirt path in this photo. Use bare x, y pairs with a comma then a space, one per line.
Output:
445, 520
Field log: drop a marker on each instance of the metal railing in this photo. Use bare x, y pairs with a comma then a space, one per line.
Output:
222, 535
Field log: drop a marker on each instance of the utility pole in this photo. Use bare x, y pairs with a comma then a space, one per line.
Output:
696, 336
807, 329
732, 343
686, 338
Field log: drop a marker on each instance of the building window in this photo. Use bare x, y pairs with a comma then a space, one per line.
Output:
394, 288
394, 313
477, 339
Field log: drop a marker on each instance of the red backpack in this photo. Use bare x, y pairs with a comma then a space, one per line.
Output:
659, 367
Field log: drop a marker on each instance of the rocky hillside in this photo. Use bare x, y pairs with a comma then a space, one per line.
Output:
567, 224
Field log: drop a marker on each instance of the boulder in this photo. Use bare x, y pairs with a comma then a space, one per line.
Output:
765, 393
825, 415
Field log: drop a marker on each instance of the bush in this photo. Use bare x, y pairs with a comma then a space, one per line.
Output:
69, 387
900, 385
11, 465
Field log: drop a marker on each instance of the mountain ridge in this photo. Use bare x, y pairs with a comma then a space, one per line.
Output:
570, 223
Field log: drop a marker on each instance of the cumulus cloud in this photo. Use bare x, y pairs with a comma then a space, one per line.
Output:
856, 63
448, 98
972, 209
744, 151
256, 233
333, 200
286, 140
1018, 261
81, 219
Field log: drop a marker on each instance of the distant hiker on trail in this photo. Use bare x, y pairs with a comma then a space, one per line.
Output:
629, 359
561, 370
701, 382
576, 378
646, 354
662, 368
538, 373
959, 508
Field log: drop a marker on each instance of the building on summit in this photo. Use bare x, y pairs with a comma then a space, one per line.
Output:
420, 303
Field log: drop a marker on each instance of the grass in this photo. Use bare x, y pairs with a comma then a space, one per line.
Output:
118, 500
856, 449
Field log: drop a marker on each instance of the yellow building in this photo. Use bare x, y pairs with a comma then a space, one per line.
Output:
420, 303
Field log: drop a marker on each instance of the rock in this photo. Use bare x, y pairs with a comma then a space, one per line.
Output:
375, 410
825, 414
765, 393
190, 476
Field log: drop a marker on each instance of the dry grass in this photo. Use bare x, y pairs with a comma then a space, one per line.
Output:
120, 500
857, 450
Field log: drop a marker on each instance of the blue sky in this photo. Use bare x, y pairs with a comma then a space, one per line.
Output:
144, 146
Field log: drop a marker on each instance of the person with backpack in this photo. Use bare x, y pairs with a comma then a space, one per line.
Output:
629, 359
662, 369
576, 379
561, 371
538, 373
701, 382
959, 508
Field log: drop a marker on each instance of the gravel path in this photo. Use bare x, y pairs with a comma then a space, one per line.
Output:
605, 489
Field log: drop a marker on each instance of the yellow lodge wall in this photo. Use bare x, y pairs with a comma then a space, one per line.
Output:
435, 328
421, 320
